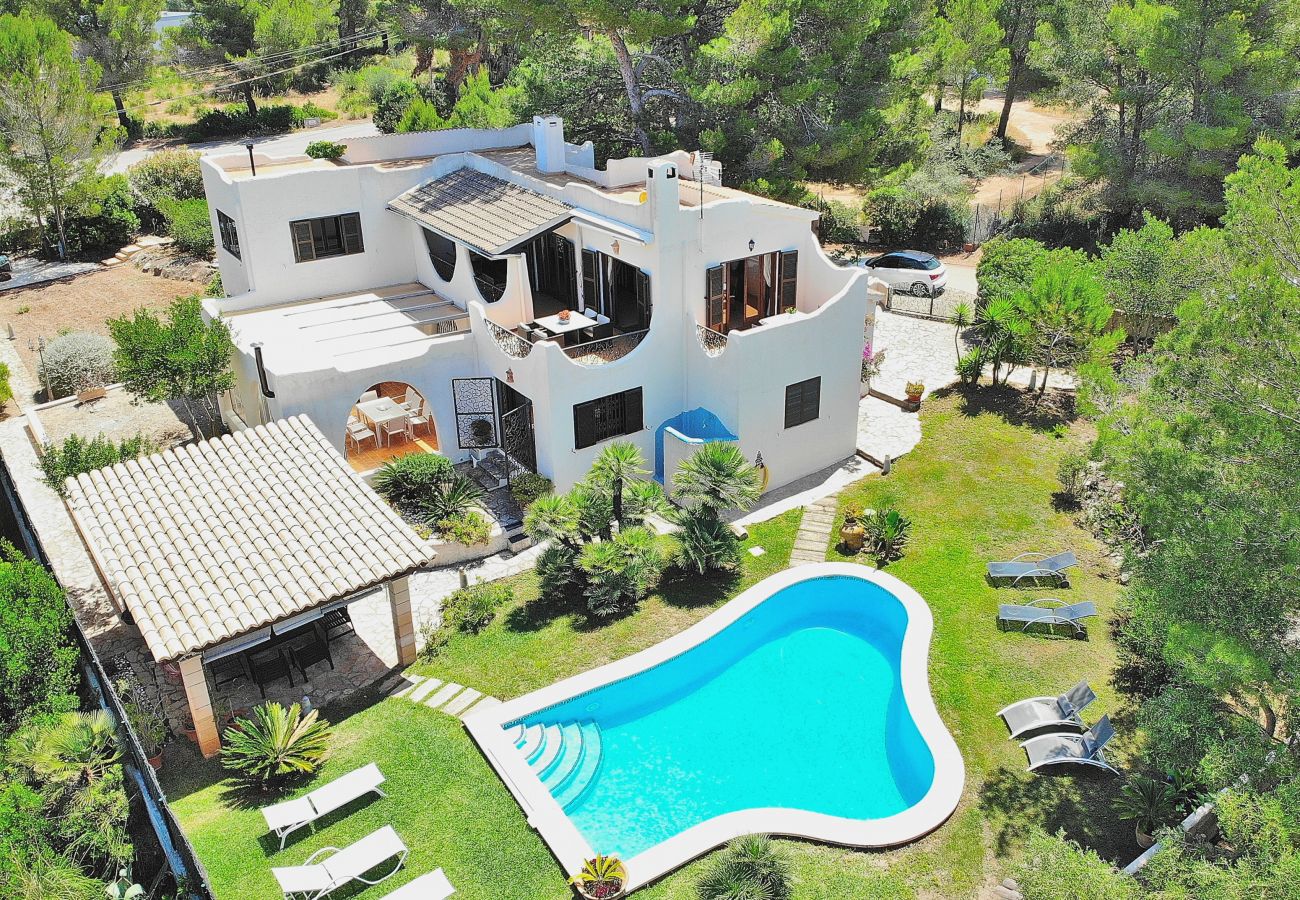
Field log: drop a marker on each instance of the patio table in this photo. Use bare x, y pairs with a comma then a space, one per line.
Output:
381, 410
576, 321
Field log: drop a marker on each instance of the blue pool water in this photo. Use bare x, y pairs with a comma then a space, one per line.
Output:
797, 705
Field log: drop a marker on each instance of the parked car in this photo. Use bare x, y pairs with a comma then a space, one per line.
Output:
911, 271
6, 268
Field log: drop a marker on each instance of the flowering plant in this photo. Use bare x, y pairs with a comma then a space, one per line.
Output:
871, 362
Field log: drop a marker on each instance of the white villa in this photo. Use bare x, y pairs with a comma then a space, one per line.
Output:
533, 305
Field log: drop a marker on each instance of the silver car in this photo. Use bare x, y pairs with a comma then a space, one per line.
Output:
909, 271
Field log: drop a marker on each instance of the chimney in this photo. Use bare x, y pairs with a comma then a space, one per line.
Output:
663, 188
548, 142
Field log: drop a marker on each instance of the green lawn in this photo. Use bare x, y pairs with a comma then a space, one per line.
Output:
980, 486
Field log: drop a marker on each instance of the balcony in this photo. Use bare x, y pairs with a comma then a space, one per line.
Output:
713, 343
605, 350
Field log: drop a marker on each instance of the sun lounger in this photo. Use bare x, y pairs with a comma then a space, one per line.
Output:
1035, 614
313, 880
286, 818
1033, 566
1047, 712
1081, 749
433, 886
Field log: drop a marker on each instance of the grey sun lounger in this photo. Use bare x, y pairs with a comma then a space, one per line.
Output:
313, 880
1034, 614
287, 817
1048, 712
1033, 566
1079, 749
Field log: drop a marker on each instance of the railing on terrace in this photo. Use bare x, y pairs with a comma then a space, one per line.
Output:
712, 342
605, 350
488, 289
511, 344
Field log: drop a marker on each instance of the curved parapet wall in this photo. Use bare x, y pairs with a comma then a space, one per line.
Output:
816, 651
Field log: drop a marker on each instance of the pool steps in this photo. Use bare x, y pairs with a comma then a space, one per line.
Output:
565, 757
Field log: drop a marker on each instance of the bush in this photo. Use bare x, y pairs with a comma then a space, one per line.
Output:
840, 223
471, 609
309, 110
392, 104
470, 528
189, 223
970, 366
1007, 266
38, 660
404, 481
102, 217
528, 487
913, 217
1070, 472
886, 534
18, 235
450, 498
275, 744
707, 545
750, 867
1058, 218
76, 361
166, 175
326, 149
621, 571
76, 456
1055, 868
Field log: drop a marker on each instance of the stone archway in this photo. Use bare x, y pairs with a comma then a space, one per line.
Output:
387, 420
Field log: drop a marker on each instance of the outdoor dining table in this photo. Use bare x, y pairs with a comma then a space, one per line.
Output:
381, 410
576, 322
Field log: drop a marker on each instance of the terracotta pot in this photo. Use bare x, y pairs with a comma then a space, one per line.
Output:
1144, 840
191, 733
852, 536
914, 398
968, 247
156, 761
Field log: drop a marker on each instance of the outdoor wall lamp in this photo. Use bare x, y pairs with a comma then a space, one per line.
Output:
614, 246
251, 164
510, 376
751, 245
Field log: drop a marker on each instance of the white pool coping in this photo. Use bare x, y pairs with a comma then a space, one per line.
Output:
572, 849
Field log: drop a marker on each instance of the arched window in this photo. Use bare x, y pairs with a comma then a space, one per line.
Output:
442, 253
489, 275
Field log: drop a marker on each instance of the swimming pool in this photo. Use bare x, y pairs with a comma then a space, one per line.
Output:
801, 707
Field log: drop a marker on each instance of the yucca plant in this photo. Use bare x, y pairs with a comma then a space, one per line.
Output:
275, 743
887, 531
1147, 802
601, 878
449, 498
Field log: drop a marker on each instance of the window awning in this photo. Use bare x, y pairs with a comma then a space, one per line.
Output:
486, 213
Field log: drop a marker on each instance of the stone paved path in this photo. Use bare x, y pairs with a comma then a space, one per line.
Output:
814, 532
449, 697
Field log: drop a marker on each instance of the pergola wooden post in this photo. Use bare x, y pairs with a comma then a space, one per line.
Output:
399, 597
196, 692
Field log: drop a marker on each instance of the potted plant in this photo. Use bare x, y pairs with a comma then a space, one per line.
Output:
146, 717
851, 532
914, 391
481, 429
601, 878
1149, 803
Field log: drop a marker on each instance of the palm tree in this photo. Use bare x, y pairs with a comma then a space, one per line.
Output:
717, 477
77, 749
617, 464
962, 317
553, 517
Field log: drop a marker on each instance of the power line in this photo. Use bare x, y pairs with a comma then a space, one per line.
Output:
266, 58
226, 87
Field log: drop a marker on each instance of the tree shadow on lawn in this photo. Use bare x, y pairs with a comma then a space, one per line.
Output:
1015, 405
1077, 802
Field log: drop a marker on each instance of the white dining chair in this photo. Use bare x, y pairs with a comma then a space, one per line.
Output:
412, 401
357, 432
418, 418
368, 396
391, 427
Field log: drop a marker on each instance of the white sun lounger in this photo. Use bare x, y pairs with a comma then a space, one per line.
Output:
1048, 712
433, 886
313, 880
1080, 749
1037, 612
287, 817
1034, 566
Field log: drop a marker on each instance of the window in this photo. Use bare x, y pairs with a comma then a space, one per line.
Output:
229, 234
442, 253
606, 417
741, 293
327, 236
803, 402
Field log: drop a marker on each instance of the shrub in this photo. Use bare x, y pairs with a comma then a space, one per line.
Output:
38, 661
103, 217
326, 149
911, 216
970, 366
188, 221
310, 110
449, 498
1007, 266
76, 456
275, 744
1070, 472
840, 223
76, 361
750, 867
621, 571
166, 175
886, 534
469, 528
1054, 868
6, 389
471, 609
391, 106
528, 487
706, 544
557, 571
407, 479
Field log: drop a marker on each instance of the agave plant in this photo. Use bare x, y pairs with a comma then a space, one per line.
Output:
1147, 801
601, 877
275, 744
449, 498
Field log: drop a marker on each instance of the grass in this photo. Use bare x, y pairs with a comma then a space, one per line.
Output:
980, 486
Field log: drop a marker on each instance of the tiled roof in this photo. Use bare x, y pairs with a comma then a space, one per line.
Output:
209, 541
485, 212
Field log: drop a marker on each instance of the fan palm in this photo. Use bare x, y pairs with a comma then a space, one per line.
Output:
77, 749
553, 517
641, 499
706, 544
717, 477
618, 464
449, 498
276, 743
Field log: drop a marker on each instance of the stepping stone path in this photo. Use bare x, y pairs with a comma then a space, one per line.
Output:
814, 532
447, 696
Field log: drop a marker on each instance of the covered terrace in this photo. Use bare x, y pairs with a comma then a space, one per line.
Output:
239, 557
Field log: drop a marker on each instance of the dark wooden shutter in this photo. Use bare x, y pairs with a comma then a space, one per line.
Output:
303, 248
715, 296
789, 278
590, 280
584, 424
643, 297
350, 226
568, 275
632, 411
803, 402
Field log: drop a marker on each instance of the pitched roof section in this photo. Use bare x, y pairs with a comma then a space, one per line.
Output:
205, 542
485, 212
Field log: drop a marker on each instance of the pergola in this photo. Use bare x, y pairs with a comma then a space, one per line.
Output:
214, 545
